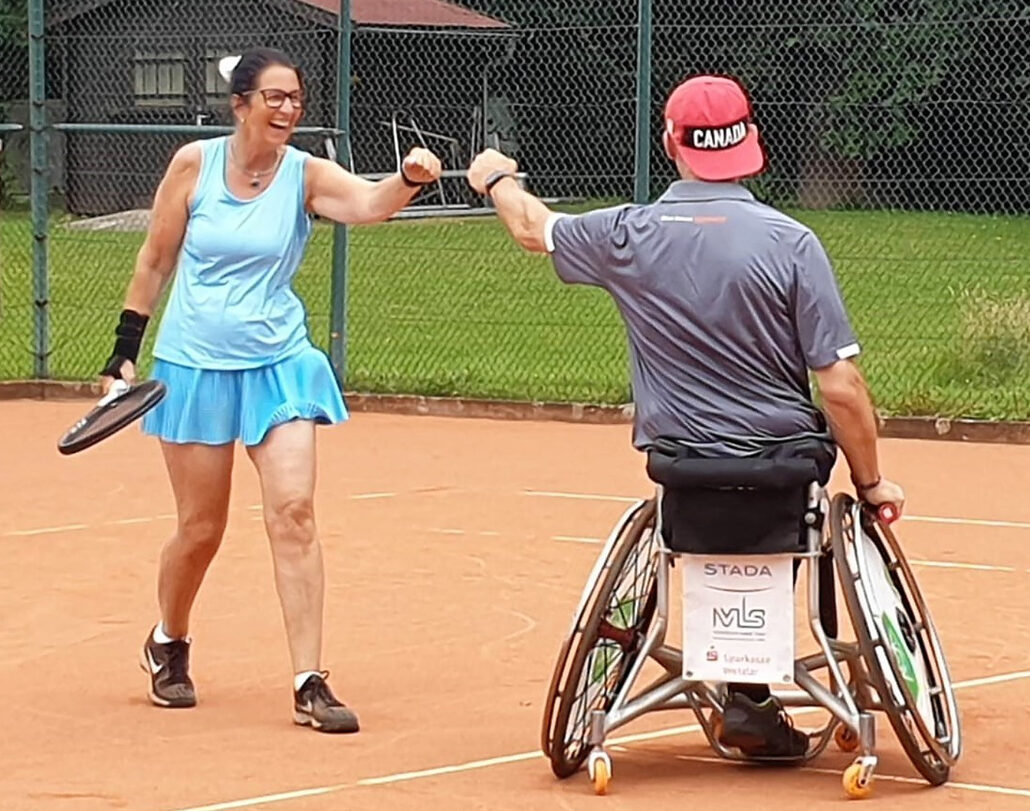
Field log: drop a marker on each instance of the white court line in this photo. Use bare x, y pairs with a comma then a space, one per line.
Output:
937, 564
23, 533
144, 520
980, 522
975, 522
988, 680
577, 539
127, 521
447, 531
977, 567
585, 496
932, 519
354, 497
612, 742
273, 798
890, 778
460, 767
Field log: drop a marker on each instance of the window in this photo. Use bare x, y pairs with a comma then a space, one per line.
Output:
216, 88
159, 78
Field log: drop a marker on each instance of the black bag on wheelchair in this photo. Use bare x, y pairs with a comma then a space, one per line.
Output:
741, 505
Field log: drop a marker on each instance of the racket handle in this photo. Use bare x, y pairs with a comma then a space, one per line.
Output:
118, 388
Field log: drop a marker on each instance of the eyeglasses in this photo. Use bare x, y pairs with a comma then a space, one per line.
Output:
276, 98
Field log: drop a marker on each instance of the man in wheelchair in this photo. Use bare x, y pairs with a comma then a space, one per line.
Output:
728, 305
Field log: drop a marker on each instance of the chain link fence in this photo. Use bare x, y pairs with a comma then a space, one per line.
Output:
126, 80
899, 132
16, 335
450, 306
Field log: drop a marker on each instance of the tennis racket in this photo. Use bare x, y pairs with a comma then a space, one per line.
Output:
121, 406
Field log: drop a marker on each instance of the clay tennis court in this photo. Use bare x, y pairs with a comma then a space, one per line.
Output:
456, 550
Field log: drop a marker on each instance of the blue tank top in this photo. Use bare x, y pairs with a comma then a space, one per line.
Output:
231, 305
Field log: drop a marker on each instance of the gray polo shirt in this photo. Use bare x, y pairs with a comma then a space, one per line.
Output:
727, 304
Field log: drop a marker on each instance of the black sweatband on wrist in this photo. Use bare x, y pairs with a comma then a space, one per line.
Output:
865, 488
127, 342
494, 178
409, 182
114, 367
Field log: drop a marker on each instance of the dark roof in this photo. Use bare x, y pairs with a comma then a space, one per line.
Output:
435, 13
423, 13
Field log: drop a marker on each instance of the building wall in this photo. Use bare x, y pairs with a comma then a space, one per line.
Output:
96, 61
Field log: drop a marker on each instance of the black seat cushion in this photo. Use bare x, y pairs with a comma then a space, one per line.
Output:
738, 506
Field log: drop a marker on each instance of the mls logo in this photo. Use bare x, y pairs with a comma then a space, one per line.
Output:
739, 616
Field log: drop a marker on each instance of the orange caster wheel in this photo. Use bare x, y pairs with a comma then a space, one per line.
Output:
600, 768
846, 740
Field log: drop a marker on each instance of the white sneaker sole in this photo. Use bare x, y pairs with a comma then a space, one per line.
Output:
155, 699
305, 719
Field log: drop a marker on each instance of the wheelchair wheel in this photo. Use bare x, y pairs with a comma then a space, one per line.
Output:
896, 635
608, 630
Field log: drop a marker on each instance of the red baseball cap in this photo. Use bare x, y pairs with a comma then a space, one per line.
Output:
708, 119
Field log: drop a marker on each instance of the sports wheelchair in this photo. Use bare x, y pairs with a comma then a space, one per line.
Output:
773, 506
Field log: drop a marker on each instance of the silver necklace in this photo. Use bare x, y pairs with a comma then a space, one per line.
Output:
255, 177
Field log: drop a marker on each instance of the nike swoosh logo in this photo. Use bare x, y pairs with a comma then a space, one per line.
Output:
308, 707
155, 668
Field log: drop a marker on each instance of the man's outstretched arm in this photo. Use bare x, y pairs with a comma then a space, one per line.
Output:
525, 216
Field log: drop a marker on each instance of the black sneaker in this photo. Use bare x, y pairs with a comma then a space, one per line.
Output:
314, 705
168, 666
761, 730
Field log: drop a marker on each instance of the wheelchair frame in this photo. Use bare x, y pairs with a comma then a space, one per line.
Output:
874, 680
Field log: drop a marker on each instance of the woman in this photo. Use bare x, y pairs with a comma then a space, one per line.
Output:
233, 215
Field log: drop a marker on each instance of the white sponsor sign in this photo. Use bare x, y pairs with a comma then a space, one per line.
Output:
738, 618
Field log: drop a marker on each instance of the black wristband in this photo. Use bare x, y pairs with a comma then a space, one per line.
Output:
114, 367
409, 182
865, 488
127, 342
494, 178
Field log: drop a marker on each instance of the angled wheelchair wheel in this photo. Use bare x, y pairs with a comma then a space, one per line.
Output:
897, 638
607, 632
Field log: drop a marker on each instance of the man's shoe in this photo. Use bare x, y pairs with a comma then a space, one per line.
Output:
314, 705
761, 730
168, 666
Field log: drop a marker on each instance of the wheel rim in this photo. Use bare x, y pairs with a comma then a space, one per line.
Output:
582, 612
608, 641
914, 685
920, 667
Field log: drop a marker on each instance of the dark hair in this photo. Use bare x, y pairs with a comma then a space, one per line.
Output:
253, 63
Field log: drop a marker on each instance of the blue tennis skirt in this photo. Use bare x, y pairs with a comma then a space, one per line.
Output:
216, 407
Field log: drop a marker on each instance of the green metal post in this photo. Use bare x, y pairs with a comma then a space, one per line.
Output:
40, 186
642, 168
341, 256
